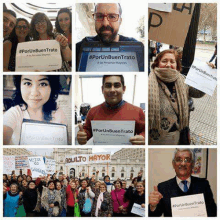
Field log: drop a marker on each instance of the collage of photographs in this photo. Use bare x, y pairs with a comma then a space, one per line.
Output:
124, 176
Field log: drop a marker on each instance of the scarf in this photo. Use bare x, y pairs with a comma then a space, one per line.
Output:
161, 76
99, 203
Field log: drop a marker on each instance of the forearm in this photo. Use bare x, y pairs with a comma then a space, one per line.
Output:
67, 53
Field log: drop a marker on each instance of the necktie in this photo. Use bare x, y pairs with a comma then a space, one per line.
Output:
185, 189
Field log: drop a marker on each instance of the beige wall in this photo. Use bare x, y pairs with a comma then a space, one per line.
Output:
160, 168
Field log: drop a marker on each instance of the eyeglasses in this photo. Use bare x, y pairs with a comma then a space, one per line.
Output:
20, 27
37, 23
110, 17
185, 160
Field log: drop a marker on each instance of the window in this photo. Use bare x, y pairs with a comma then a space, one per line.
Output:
82, 174
93, 174
113, 175
122, 175
61, 168
103, 174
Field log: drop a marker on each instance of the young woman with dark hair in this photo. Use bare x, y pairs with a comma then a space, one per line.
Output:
19, 34
34, 98
42, 29
63, 24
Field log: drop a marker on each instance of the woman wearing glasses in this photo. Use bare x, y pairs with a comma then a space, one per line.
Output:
42, 29
19, 34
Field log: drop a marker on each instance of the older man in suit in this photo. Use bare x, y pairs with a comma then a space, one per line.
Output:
182, 185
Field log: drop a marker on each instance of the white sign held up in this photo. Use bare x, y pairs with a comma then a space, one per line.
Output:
50, 166
189, 206
43, 55
112, 132
37, 166
8, 164
202, 77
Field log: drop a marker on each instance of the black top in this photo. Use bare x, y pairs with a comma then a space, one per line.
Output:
170, 189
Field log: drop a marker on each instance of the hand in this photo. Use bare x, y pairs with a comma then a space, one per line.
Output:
143, 205
62, 40
140, 173
51, 205
120, 207
87, 189
109, 215
4, 189
155, 197
97, 171
20, 194
81, 136
137, 140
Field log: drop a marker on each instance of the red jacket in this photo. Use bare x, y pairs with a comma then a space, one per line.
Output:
70, 198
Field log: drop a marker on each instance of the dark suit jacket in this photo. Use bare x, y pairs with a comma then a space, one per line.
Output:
170, 189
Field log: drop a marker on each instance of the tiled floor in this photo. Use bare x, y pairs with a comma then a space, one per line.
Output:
203, 120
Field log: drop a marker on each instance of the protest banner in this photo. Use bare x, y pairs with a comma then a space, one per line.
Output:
43, 133
170, 27
189, 206
41, 55
202, 77
112, 132
99, 158
88, 159
8, 164
21, 162
50, 166
77, 159
37, 166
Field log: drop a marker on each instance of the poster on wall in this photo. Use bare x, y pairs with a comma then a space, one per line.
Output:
200, 165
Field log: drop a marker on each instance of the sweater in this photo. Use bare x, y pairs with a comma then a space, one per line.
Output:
70, 197
118, 200
126, 112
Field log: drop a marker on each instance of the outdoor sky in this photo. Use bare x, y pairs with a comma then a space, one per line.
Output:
48, 151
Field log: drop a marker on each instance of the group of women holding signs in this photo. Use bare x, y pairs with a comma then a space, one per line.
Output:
72, 197
41, 28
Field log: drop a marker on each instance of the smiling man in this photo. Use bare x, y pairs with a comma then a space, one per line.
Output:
9, 22
108, 19
182, 185
114, 108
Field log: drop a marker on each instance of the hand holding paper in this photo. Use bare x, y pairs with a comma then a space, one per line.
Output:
137, 140
155, 197
81, 135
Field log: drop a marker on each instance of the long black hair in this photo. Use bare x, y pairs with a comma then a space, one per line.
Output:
50, 105
13, 37
57, 25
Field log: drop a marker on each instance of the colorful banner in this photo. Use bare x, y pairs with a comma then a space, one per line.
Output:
21, 162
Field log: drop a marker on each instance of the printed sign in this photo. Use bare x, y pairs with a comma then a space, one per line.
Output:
138, 210
50, 166
89, 159
40, 133
189, 206
202, 77
37, 166
112, 132
166, 7
41, 55
8, 164
21, 162
112, 62
170, 28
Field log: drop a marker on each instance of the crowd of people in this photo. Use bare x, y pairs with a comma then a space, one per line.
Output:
18, 30
49, 196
